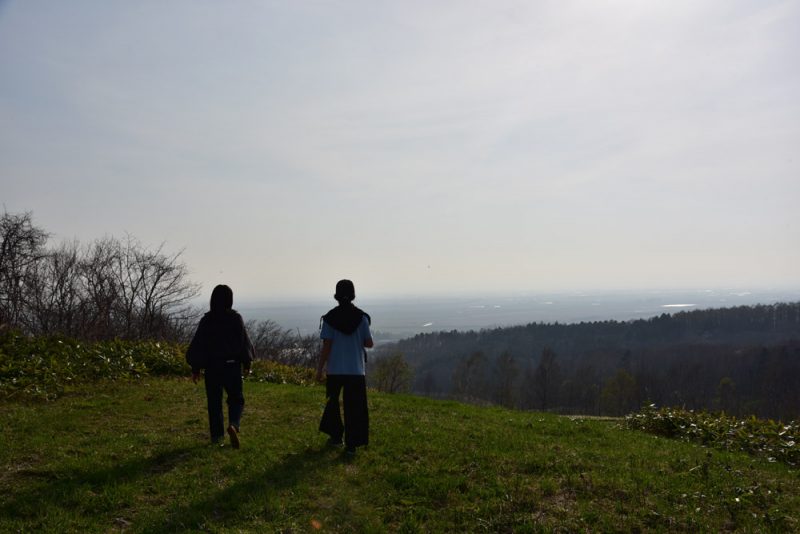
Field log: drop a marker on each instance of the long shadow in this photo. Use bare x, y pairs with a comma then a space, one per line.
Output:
225, 505
67, 488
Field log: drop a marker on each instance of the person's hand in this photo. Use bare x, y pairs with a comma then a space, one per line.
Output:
195, 377
320, 376
247, 371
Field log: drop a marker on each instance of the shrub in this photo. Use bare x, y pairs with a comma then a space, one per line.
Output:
45, 367
775, 440
278, 373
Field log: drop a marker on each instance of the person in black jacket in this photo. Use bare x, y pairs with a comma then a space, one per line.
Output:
222, 347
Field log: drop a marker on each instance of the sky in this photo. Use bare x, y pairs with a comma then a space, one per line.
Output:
415, 147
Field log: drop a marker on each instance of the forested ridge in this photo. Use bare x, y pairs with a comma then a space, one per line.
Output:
742, 360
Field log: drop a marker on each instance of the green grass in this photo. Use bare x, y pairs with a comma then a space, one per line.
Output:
133, 456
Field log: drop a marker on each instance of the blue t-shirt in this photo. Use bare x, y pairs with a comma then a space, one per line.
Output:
347, 352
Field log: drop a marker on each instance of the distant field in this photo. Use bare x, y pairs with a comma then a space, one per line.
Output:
395, 318
133, 456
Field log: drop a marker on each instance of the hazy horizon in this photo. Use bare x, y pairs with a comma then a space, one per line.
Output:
403, 316
388, 295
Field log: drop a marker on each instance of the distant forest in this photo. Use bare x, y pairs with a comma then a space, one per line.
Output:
743, 361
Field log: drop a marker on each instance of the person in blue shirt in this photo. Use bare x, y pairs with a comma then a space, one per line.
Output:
345, 334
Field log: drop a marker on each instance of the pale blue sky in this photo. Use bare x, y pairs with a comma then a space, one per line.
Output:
415, 147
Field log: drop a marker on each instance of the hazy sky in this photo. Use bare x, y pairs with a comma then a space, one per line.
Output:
415, 146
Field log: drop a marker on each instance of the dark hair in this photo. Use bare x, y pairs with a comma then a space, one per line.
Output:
345, 291
221, 298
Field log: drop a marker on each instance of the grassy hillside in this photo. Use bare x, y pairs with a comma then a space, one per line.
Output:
133, 456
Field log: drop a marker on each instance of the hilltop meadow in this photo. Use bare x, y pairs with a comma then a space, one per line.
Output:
132, 455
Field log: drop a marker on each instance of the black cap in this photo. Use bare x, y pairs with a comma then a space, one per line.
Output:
345, 291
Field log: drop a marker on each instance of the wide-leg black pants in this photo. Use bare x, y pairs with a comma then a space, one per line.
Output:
355, 428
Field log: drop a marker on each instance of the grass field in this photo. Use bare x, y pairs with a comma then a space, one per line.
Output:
134, 456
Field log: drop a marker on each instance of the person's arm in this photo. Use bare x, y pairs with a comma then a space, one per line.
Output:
366, 333
327, 334
324, 353
249, 351
194, 354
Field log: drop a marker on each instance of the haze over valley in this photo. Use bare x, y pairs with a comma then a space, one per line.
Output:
398, 317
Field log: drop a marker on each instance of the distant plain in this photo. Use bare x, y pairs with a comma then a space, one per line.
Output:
399, 317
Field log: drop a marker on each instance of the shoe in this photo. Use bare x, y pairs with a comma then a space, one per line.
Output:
334, 442
219, 441
234, 434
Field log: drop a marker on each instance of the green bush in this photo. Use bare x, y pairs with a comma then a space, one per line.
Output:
775, 440
46, 367
277, 373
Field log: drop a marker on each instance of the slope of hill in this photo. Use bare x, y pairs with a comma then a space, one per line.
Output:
132, 456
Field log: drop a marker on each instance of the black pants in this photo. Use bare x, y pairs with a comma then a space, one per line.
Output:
228, 378
356, 414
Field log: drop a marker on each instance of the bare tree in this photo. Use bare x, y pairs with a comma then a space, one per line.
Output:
269, 339
21, 246
429, 385
505, 377
54, 293
469, 378
151, 289
112, 288
100, 287
618, 396
166, 292
546, 380
391, 373
272, 342
309, 346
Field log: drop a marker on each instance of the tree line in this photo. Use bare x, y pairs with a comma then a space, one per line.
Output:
743, 360
109, 288
112, 288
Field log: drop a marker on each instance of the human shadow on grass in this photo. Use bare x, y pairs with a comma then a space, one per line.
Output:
226, 505
68, 488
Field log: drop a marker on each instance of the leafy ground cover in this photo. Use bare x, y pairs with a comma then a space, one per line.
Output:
774, 440
44, 368
133, 456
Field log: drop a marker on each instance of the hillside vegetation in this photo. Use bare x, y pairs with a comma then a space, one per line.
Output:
44, 368
133, 456
743, 360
